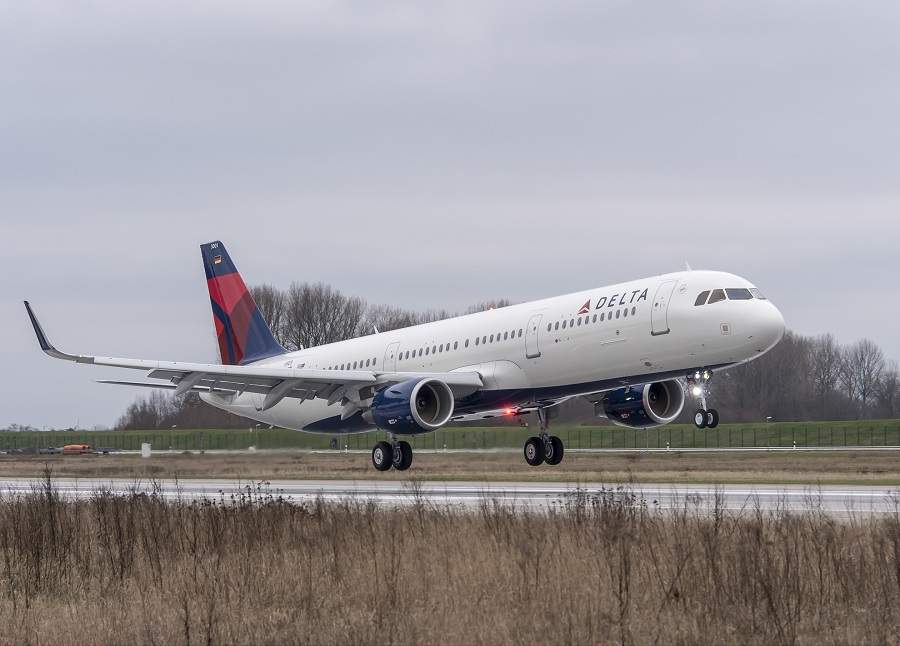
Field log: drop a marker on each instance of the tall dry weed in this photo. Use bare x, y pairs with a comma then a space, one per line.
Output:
606, 567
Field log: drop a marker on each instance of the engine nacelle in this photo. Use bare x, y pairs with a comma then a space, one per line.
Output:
414, 406
643, 405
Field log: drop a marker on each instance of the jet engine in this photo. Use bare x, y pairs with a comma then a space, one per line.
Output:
414, 406
642, 405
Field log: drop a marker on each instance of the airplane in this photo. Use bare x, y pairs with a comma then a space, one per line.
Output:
632, 349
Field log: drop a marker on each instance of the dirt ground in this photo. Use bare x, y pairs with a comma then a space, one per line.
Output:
846, 467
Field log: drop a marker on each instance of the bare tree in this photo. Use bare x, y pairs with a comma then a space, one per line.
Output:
847, 374
385, 318
824, 361
867, 361
319, 314
271, 303
888, 389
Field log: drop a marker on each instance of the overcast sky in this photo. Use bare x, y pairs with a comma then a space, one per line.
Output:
431, 155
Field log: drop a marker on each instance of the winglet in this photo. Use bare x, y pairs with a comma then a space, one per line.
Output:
45, 344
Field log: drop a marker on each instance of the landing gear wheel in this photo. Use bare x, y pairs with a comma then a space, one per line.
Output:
402, 457
534, 451
381, 456
553, 450
700, 418
712, 418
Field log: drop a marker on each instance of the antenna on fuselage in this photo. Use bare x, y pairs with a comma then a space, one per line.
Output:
687, 266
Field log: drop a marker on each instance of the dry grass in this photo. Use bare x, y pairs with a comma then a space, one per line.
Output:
860, 467
134, 569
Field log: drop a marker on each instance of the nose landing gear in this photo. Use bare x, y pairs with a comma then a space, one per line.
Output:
545, 447
703, 417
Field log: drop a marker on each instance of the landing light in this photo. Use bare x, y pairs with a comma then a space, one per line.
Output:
697, 391
697, 375
508, 411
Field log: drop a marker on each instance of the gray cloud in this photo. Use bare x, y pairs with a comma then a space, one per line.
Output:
432, 155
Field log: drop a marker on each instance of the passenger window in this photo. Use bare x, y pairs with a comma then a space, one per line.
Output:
579, 321
618, 312
556, 327
625, 312
483, 340
505, 336
549, 326
426, 351
520, 333
740, 294
433, 349
455, 344
571, 322
595, 318
441, 348
467, 343
716, 296
476, 340
701, 299
564, 325
602, 316
492, 338
633, 310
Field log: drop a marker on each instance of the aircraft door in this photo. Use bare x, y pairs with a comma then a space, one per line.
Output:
659, 315
532, 349
390, 357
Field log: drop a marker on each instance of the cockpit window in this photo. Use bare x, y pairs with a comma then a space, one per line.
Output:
740, 294
716, 296
701, 299
757, 294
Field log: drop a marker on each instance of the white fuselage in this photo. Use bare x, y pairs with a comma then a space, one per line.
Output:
547, 350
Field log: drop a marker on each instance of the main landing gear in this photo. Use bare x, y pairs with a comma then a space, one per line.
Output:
703, 417
392, 454
544, 448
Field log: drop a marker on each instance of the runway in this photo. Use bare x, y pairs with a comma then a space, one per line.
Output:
833, 499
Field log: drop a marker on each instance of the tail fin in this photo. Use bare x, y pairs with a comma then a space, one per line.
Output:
243, 334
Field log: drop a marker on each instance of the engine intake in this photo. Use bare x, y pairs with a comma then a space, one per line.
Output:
414, 406
643, 405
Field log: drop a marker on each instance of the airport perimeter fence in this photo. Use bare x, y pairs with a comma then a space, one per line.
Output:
884, 433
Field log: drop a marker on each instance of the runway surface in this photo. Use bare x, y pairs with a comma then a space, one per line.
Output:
832, 499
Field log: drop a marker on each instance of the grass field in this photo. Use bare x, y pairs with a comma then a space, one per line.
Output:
603, 570
787, 467
856, 433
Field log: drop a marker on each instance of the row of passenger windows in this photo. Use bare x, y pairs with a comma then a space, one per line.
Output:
584, 320
446, 347
354, 365
491, 338
736, 294
435, 349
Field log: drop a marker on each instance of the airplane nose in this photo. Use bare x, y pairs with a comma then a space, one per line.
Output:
772, 326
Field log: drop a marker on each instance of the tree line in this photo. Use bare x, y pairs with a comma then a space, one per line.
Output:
803, 378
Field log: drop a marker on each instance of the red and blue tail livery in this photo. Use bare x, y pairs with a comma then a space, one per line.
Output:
243, 334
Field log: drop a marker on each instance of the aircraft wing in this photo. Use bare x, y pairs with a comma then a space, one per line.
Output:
276, 383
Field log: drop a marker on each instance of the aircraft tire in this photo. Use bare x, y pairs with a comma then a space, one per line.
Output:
556, 451
534, 451
402, 457
381, 456
712, 418
700, 418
